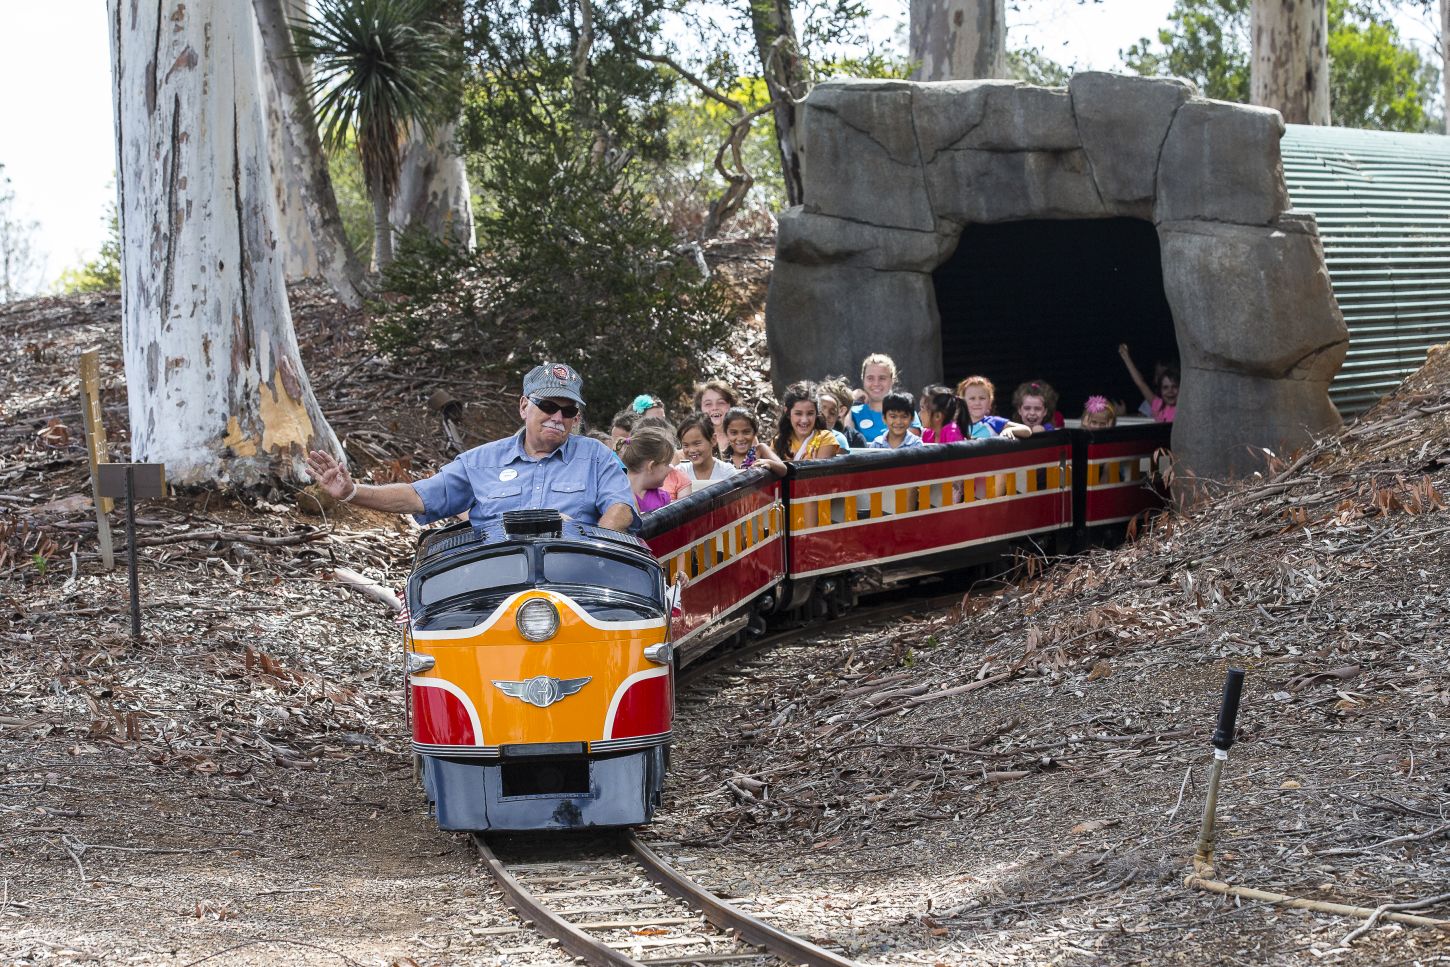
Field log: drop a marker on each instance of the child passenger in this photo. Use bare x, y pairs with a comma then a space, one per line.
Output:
835, 400
646, 458
1163, 404
676, 481
800, 430
896, 409
746, 450
1035, 402
940, 412
1098, 414
697, 435
878, 376
647, 405
714, 398
978, 392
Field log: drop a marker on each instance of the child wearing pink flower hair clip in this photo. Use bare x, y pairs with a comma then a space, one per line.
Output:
1098, 414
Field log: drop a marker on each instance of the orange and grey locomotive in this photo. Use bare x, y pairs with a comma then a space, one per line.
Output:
540, 677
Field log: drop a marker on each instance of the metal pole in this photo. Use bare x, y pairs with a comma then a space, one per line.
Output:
1223, 739
131, 552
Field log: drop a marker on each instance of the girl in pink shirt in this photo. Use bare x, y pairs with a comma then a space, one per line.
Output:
938, 411
1164, 403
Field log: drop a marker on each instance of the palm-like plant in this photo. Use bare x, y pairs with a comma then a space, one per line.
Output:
378, 66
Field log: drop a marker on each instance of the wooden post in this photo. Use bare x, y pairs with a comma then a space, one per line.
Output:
96, 449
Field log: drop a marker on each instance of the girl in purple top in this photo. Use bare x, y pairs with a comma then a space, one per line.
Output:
647, 456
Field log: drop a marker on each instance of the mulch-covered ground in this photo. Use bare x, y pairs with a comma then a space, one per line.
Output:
1018, 781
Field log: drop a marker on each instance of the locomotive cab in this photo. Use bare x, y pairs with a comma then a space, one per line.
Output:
539, 674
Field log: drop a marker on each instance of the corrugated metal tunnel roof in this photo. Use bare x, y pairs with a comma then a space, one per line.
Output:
1382, 200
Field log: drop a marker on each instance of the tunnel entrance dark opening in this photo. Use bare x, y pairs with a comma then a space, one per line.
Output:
1052, 300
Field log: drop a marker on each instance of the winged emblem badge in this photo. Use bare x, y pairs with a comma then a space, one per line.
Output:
542, 690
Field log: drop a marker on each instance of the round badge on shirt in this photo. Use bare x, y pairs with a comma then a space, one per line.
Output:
867, 424
508, 474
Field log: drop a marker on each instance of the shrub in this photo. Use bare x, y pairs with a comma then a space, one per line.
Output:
572, 265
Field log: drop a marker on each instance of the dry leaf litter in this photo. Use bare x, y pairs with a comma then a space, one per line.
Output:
1017, 781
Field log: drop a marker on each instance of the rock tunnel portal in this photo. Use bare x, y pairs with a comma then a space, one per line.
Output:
1052, 300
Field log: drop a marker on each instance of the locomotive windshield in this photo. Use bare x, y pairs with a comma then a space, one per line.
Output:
479, 574
597, 570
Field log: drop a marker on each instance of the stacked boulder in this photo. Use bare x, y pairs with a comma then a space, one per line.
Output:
894, 170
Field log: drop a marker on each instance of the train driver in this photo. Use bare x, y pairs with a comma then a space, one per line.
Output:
543, 466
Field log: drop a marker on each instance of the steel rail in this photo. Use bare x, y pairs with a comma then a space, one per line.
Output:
527, 906
791, 949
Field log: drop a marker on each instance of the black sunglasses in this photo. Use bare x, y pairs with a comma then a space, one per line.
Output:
550, 407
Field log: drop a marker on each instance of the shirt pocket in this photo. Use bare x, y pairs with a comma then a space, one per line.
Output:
502, 492
567, 488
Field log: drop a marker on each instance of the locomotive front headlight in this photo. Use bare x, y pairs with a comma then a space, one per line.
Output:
537, 620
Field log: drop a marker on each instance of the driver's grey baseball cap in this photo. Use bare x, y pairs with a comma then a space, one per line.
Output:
554, 379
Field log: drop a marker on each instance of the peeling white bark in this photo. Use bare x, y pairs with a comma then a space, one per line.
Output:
215, 385
958, 39
433, 192
1289, 70
299, 255
302, 154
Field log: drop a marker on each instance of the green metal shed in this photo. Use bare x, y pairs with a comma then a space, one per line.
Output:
1382, 200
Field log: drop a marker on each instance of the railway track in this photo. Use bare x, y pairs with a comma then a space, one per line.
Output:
611, 900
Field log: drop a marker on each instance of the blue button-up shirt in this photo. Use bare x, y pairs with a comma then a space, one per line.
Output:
581, 479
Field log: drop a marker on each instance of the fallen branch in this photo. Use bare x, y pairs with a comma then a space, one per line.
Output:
367, 586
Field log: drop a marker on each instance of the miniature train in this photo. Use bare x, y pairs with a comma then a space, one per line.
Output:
541, 653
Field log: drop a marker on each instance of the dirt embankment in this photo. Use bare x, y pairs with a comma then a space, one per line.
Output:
234, 790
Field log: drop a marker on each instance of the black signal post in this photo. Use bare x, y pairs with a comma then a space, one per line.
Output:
131, 482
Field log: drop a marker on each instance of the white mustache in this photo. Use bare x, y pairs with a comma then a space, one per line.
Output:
555, 425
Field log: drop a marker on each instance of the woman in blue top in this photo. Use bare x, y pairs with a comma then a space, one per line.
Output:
878, 376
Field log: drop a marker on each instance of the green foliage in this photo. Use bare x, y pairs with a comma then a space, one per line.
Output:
572, 264
376, 66
1033, 66
102, 273
526, 84
1206, 42
356, 211
1375, 80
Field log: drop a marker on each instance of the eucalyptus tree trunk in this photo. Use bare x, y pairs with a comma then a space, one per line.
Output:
306, 162
784, 70
215, 384
299, 255
958, 39
433, 193
1290, 66
1445, 60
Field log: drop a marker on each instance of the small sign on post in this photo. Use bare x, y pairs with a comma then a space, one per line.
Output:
132, 482
96, 449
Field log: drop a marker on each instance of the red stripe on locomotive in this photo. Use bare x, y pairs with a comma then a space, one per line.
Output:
646, 708
440, 718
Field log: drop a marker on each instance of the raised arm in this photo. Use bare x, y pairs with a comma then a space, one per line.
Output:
333, 477
1142, 383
